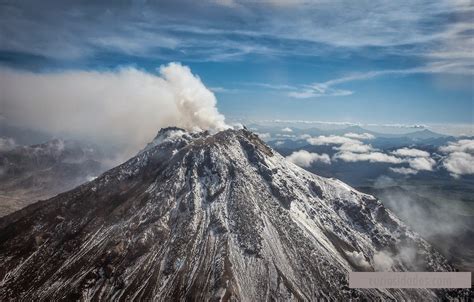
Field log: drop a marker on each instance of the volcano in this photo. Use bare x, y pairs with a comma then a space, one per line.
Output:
201, 216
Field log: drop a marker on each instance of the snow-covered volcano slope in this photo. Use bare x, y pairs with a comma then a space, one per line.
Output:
201, 217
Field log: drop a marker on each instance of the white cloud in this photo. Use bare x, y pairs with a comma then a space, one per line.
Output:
304, 158
422, 163
403, 170
460, 157
300, 27
356, 147
373, 157
362, 136
463, 145
126, 106
287, 129
407, 152
270, 86
223, 90
331, 140
286, 135
346, 143
416, 164
264, 136
314, 92
459, 163
304, 136
237, 126
447, 65
353, 150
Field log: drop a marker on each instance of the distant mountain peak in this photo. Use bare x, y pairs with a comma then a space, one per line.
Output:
424, 134
200, 216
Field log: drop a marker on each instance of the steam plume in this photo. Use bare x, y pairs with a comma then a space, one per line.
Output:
125, 107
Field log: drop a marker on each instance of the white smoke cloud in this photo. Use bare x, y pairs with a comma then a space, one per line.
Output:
460, 157
408, 152
406, 255
125, 106
304, 158
383, 261
358, 258
362, 136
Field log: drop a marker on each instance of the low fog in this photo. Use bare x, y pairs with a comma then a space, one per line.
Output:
447, 224
125, 107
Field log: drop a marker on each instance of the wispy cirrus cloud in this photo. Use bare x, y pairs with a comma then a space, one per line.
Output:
317, 90
460, 63
184, 30
463, 66
218, 89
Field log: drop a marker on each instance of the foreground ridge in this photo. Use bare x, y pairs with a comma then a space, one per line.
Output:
200, 216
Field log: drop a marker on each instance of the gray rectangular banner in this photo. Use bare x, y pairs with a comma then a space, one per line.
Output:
410, 280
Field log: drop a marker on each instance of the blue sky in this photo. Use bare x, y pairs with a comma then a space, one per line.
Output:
353, 61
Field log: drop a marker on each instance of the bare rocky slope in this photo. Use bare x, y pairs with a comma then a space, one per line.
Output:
196, 216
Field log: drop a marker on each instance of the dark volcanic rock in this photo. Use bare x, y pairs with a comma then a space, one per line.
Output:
196, 216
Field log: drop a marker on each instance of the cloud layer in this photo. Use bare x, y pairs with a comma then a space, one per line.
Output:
125, 107
458, 156
351, 148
